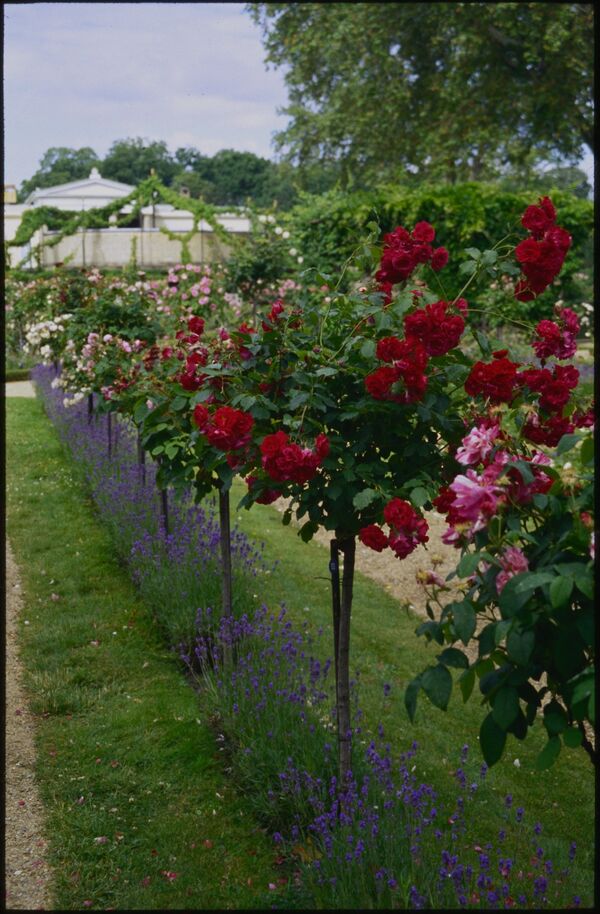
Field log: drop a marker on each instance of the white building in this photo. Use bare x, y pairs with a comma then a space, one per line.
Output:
113, 246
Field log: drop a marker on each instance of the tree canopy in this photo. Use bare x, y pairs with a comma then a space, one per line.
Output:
59, 165
228, 178
458, 91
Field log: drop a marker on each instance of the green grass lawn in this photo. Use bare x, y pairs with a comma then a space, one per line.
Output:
126, 700
124, 752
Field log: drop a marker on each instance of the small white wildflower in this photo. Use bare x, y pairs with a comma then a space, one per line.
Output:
517, 763
293, 252
286, 235
278, 230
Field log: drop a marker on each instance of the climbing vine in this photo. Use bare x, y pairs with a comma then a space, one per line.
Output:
147, 192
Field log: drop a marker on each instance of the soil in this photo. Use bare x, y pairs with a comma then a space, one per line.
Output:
27, 874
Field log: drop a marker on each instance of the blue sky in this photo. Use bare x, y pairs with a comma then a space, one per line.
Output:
86, 74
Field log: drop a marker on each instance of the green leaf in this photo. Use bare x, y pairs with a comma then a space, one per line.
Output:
549, 754
483, 343
410, 697
419, 496
364, 498
501, 631
466, 682
492, 739
180, 403
519, 646
326, 372
455, 658
488, 258
308, 530
506, 706
572, 737
469, 267
468, 564
464, 620
519, 589
585, 584
555, 718
473, 253
587, 450
368, 349
436, 682
566, 443
486, 638
299, 397
560, 591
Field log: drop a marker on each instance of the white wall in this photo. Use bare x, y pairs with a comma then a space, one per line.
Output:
112, 248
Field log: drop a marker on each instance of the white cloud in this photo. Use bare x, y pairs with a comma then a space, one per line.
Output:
88, 74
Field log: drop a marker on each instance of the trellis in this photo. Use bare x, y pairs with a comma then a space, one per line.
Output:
147, 193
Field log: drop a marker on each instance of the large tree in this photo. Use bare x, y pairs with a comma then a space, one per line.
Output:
454, 91
60, 165
131, 161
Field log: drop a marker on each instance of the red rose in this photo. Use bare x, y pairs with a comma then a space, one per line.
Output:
373, 537
496, 380
229, 429
567, 375
554, 396
423, 231
436, 330
201, 416
439, 259
285, 461
399, 513
550, 432
196, 325
379, 383
389, 348
536, 219
528, 251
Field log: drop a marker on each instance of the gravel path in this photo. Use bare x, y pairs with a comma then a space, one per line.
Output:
27, 875
19, 389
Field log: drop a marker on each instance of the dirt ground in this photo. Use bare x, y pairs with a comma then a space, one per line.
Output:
27, 874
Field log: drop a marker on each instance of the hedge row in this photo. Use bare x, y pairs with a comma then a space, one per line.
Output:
327, 227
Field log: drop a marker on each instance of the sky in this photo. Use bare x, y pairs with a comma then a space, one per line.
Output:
87, 74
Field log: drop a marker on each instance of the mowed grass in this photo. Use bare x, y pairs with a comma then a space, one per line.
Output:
140, 812
384, 648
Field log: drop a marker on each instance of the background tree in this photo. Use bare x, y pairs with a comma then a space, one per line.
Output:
131, 160
59, 165
459, 92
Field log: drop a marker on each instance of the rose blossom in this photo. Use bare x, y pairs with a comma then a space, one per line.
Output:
477, 445
513, 562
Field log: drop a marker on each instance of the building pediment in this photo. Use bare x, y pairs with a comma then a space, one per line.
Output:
95, 186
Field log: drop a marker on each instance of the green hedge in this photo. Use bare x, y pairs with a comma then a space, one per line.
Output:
327, 228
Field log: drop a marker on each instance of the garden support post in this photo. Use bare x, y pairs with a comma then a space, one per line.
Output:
334, 568
109, 434
226, 579
347, 546
90, 411
141, 455
164, 507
